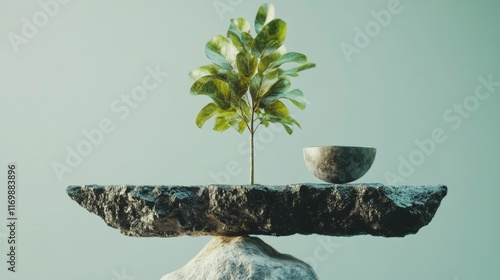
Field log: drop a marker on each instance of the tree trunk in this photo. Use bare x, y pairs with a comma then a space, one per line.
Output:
252, 131
251, 159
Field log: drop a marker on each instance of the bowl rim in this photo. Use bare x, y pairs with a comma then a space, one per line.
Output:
339, 146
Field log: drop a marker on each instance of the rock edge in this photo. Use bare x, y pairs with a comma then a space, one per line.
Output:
225, 210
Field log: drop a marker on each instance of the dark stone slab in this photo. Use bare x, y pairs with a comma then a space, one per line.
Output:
223, 210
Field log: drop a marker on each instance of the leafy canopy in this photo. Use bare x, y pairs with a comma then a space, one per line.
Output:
246, 80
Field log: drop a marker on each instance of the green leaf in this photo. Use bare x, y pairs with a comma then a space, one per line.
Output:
247, 40
239, 25
270, 38
246, 63
293, 121
287, 122
234, 121
233, 82
272, 75
289, 57
221, 52
264, 15
235, 40
267, 60
244, 83
281, 85
216, 89
221, 124
293, 72
288, 129
205, 114
295, 96
277, 109
268, 82
245, 110
241, 126
207, 70
237, 30
277, 112
255, 84
281, 50
238, 84
227, 119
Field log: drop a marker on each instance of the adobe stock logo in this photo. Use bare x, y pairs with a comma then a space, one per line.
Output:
454, 117
121, 108
30, 27
325, 248
363, 37
233, 167
123, 275
223, 6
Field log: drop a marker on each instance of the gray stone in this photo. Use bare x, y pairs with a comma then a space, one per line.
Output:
339, 164
242, 258
223, 210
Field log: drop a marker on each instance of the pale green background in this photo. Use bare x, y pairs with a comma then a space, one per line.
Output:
393, 92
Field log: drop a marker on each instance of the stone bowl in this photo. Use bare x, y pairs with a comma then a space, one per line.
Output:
339, 164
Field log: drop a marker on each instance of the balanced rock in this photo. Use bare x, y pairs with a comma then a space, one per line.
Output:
242, 258
223, 210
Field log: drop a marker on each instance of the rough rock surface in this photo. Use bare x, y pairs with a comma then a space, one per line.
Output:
223, 210
242, 258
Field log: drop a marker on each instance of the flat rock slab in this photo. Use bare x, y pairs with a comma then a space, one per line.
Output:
225, 210
237, 258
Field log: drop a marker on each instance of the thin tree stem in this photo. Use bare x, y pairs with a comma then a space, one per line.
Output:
252, 131
251, 159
